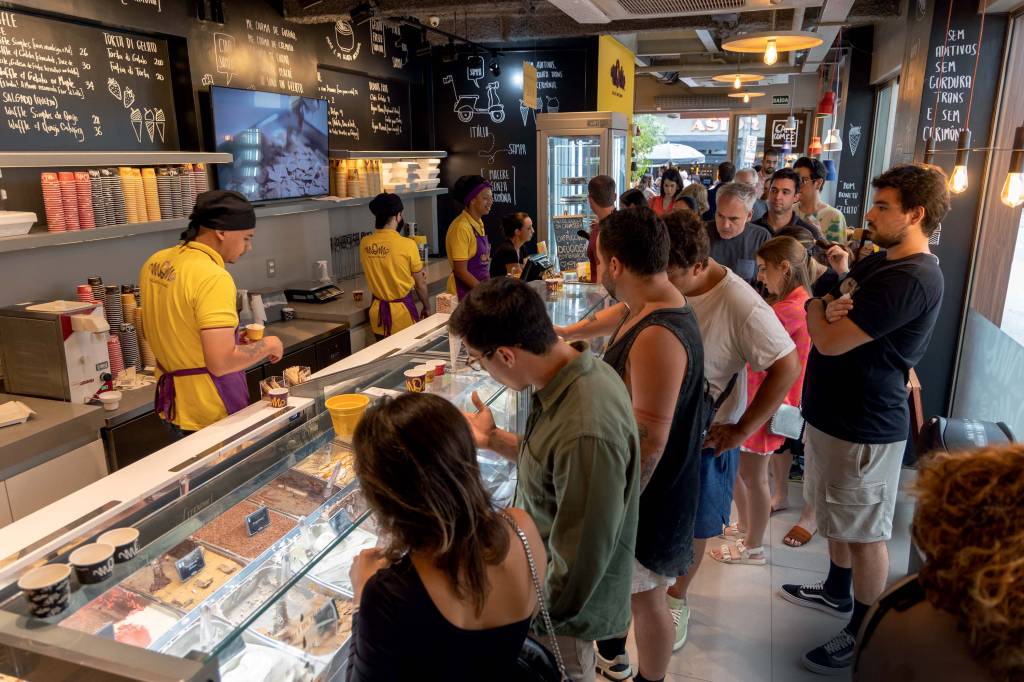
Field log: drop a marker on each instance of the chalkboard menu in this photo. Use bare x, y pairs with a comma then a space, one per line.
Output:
856, 131
488, 130
365, 113
67, 86
374, 47
572, 248
952, 78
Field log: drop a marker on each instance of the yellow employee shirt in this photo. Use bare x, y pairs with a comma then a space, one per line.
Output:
389, 262
460, 242
186, 289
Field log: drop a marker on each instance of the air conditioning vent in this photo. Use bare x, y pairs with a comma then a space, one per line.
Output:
670, 7
695, 103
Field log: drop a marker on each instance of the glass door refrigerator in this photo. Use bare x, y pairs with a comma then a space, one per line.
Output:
571, 149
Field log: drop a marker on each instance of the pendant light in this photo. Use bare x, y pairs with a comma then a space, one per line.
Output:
737, 83
771, 52
782, 41
1013, 187
833, 141
815, 148
790, 125
746, 96
738, 77
958, 180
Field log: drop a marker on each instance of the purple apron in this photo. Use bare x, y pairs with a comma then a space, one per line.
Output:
478, 266
384, 311
232, 389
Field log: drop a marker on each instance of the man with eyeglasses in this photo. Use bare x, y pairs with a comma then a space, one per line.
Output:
578, 461
811, 208
734, 239
783, 194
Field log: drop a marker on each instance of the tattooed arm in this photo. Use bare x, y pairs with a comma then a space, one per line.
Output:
223, 356
657, 367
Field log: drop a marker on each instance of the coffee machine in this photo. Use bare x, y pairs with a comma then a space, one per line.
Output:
54, 350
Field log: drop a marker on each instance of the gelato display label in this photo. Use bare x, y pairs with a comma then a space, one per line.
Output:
190, 564
257, 521
326, 616
107, 631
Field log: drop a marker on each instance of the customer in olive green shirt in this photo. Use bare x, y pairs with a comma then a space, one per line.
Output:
579, 459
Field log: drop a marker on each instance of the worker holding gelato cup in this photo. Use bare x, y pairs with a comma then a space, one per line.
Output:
394, 270
191, 319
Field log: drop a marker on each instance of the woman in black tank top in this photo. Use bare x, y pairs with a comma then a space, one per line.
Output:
443, 545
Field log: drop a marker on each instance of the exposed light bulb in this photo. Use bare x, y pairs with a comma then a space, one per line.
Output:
746, 98
737, 83
771, 52
958, 180
1013, 190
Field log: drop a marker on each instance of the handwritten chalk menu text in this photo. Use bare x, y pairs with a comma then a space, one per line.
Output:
67, 87
365, 113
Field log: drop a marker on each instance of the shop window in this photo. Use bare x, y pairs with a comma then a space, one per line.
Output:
749, 144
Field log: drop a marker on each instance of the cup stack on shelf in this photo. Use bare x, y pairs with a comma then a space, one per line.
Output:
115, 356
98, 290
130, 347
84, 294
116, 196
148, 359
351, 178
112, 307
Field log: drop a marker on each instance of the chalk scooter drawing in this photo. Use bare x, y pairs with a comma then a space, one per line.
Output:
466, 105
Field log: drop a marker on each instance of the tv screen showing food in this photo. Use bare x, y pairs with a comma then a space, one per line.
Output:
278, 143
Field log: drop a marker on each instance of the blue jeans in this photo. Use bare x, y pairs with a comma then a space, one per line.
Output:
717, 475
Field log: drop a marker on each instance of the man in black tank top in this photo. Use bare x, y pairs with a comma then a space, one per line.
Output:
657, 351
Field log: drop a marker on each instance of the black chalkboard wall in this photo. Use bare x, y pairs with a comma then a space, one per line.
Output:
487, 130
161, 56
366, 113
856, 132
71, 87
953, 244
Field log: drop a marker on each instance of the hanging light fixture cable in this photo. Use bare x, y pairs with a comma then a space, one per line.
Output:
958, 180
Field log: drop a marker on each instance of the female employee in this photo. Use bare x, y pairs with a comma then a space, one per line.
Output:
191, 318
393, 269
518, 229
469, 252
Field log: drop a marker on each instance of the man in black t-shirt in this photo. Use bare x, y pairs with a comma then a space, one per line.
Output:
867, 334
783, 197
734, 239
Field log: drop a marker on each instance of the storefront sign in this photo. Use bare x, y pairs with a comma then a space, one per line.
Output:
777, 135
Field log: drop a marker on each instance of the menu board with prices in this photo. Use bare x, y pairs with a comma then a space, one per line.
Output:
65, 86
570, 247
365, 113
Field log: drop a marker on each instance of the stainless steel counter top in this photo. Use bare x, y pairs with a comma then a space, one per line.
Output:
56, 428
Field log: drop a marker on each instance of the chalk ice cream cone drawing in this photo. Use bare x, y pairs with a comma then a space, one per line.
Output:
150, 123
161, 122
136, 117
114, 88
853, 137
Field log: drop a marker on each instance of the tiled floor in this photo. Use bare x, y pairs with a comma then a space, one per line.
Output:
742, 631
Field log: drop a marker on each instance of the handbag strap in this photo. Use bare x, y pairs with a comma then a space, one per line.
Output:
540, 594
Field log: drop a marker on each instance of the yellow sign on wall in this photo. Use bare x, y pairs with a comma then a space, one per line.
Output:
615, 80
615, 77
530, 85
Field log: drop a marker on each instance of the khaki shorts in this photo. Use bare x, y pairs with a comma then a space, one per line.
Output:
644, 579
852, 486
577, 655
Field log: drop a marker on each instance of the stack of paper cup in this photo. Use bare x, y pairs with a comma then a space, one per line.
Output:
188, 196
99, 205
176, 201
98, 292
131, 208
113, 190
83, 191
148, 359
151, 194
140, 196
163, 191
83, 293
116, 359
112, 307
69, 198
128, 307
52, 202
130, 347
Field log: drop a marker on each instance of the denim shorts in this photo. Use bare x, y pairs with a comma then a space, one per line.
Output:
717, 475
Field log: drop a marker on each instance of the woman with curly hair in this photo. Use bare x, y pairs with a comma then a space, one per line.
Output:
962, 617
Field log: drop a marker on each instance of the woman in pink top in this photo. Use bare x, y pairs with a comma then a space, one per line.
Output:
671, 186
782, 268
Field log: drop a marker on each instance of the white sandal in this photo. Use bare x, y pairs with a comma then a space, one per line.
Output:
739, 553
732, 532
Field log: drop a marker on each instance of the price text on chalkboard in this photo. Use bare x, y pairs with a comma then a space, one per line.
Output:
67, 87
365, 113
569, 246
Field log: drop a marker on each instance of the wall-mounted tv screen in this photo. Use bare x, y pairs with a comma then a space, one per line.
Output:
278, 142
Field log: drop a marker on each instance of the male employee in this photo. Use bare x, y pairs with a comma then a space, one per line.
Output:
393, 270
191, 318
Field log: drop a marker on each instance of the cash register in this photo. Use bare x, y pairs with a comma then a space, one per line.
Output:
312, 292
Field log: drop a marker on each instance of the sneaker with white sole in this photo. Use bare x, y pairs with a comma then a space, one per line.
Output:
815, 597
616, 669
681, 618
834, 657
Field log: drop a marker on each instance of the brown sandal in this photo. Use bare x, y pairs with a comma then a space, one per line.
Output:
798, 536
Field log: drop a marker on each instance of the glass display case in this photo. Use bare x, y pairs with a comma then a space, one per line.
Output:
572, 149
243, 565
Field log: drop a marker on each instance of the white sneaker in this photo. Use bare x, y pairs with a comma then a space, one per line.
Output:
681, 617
616, 669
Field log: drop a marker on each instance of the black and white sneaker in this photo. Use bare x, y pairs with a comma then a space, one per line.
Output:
815, 597
834, 657
616, 669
